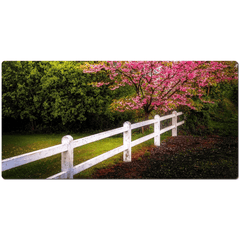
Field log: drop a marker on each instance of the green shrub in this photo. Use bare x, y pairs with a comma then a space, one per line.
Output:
56, 96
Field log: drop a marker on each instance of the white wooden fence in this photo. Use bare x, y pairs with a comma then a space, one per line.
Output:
68, 144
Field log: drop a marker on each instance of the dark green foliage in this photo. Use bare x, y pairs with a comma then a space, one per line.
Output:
20, 85
198, 122
220, 117
55, 96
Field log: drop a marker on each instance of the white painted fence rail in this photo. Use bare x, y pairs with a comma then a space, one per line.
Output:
68, 144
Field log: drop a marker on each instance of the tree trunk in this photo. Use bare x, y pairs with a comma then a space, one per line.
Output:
208, 90
145, 128
32, 125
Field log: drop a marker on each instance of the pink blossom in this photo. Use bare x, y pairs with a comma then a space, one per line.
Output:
155, 81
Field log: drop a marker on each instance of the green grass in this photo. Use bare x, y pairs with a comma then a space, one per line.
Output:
13, 145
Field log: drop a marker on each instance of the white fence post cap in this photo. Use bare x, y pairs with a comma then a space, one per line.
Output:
67, 139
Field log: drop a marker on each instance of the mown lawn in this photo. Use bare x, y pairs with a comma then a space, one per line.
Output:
13, 145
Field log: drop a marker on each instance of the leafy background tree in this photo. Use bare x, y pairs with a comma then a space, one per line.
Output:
55, 96
220, 117
45, 96
199, 88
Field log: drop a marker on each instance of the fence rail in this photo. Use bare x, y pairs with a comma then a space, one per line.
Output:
32, 156
68, 144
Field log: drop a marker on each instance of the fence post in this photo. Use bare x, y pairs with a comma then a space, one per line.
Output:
157, 131
174, 123
127, 139
67, 157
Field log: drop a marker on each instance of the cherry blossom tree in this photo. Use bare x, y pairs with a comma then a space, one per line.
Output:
161, 86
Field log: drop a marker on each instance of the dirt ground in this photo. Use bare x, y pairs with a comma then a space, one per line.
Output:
181, 157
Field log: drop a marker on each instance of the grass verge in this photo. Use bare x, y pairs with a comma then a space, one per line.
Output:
13, 145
